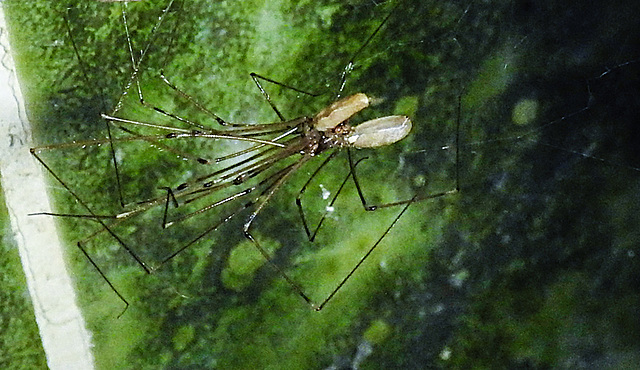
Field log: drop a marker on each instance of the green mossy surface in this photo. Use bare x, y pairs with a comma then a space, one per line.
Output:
531, 264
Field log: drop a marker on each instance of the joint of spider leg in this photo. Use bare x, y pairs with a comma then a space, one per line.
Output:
161, 111
169, 193
123, 311
203, 161
188, 201
182, 186
247, 225
239, 180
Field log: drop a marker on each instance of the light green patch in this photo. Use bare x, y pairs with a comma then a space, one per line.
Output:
525, 111
271, 26
105, 321
183, 337
243, 262
406, 105
493, 79
378, 331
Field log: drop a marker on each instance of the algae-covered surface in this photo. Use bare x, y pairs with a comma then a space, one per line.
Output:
533, 263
